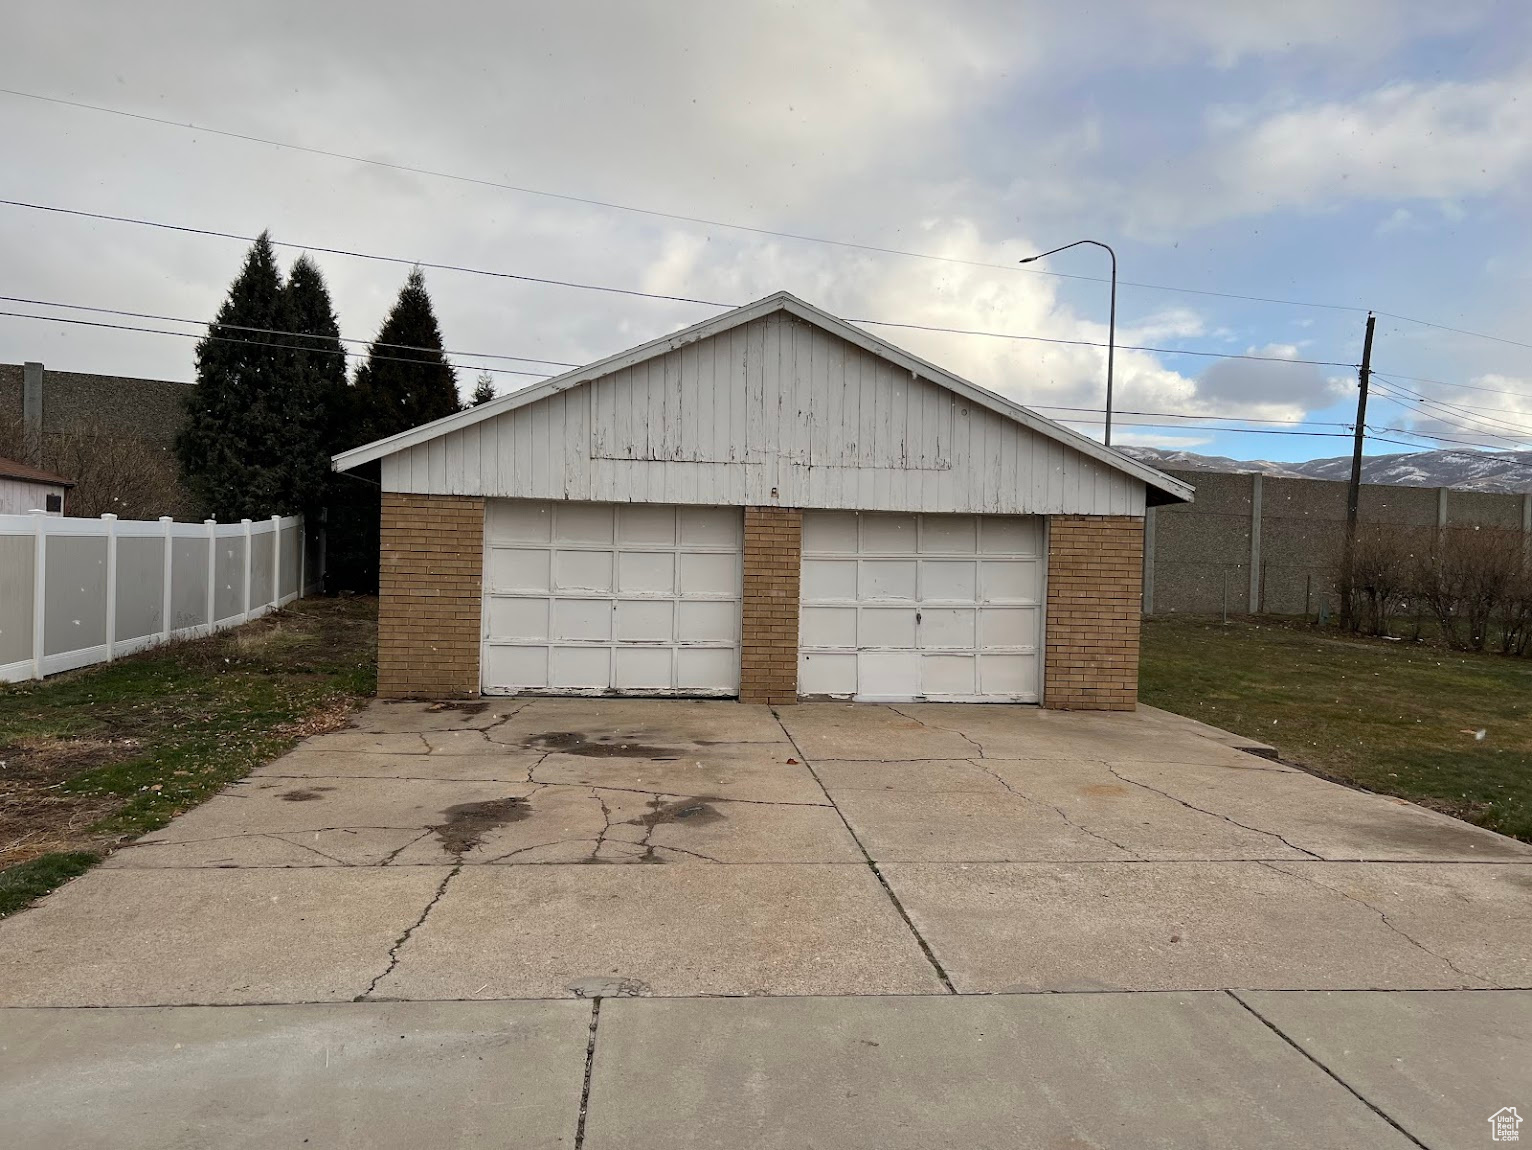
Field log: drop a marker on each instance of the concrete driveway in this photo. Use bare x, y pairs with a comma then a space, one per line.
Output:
605, 923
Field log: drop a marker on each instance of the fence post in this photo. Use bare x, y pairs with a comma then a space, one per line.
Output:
39, 587
303, 555
111, 584
245, 523
1255, 543
212, 570
1149, 524
165, 623
276, 561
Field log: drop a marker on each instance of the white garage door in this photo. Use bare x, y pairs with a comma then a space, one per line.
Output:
597, 598
900, 607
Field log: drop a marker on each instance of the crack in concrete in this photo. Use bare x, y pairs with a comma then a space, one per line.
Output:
972, 742
1058, 810
925, 947
1215, 814
1383, 915
393, 854
1353, 1091
606, 815
305, 846
393, 951
669, 794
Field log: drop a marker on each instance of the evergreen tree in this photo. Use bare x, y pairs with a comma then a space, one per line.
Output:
231, 447
406, 380
317, 402
484, 389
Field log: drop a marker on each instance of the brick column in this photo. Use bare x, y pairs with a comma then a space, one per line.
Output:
1095, 589
430, 582
768, 671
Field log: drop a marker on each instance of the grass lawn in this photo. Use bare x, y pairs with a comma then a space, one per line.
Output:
1394, 717
95, 757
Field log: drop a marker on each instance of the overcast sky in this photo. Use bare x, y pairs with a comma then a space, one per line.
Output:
1361, 153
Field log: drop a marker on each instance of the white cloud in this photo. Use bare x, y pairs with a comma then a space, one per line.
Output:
1403, 141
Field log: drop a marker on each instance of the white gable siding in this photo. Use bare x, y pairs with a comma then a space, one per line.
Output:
777, 411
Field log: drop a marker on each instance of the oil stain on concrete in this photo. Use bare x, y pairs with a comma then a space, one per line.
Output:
466, 824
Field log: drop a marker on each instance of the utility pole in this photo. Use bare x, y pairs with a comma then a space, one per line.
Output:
1354, 490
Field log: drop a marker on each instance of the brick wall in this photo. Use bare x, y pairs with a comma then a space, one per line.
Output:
1095, 588
430, 575
769, 617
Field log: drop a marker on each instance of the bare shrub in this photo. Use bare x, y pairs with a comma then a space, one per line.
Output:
1465, 577
112, 471
1382, 572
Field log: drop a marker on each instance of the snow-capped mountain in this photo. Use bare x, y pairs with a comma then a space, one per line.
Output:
1503, 472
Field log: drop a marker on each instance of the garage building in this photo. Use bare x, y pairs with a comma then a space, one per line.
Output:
771, 504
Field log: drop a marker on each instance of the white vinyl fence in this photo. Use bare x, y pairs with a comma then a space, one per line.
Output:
80, 591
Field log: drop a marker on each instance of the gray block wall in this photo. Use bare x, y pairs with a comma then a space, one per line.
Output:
1274, 545
149, 409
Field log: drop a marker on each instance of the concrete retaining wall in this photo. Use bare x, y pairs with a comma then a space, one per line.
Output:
1274, 545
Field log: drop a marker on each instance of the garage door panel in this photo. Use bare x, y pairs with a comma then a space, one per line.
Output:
888, 579
944, 607
889, 534
1008, 626
645, 621
524, 666
947, 627
830, 532
581, 668
517, 522
1009, 535
707, 668
709, 574
717, 527
582, 619
704, 622
647, 525
518, 618
947, 675
1008, 581
829, 626
887, 627
826, 673
515, 569
948, 535
1008, 675
636, 598
954, 579
582, 570
646, 572
829, 579
642, 668
583, 523
888, 674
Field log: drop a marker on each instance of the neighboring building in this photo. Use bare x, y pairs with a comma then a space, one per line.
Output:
771, 504
60, 402
24, 489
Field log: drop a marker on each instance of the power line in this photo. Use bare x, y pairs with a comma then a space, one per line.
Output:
1393, 382
651, 212
226, 339
1204, 427
276, 331
1206, 415
634, 293
543, 375
1450, 412
1475, 429
703, 221
1461, 386
1441, 439
1456, 330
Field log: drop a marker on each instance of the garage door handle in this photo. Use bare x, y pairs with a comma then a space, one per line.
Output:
917, 616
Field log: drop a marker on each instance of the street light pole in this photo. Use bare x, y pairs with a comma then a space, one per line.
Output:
1111, 338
